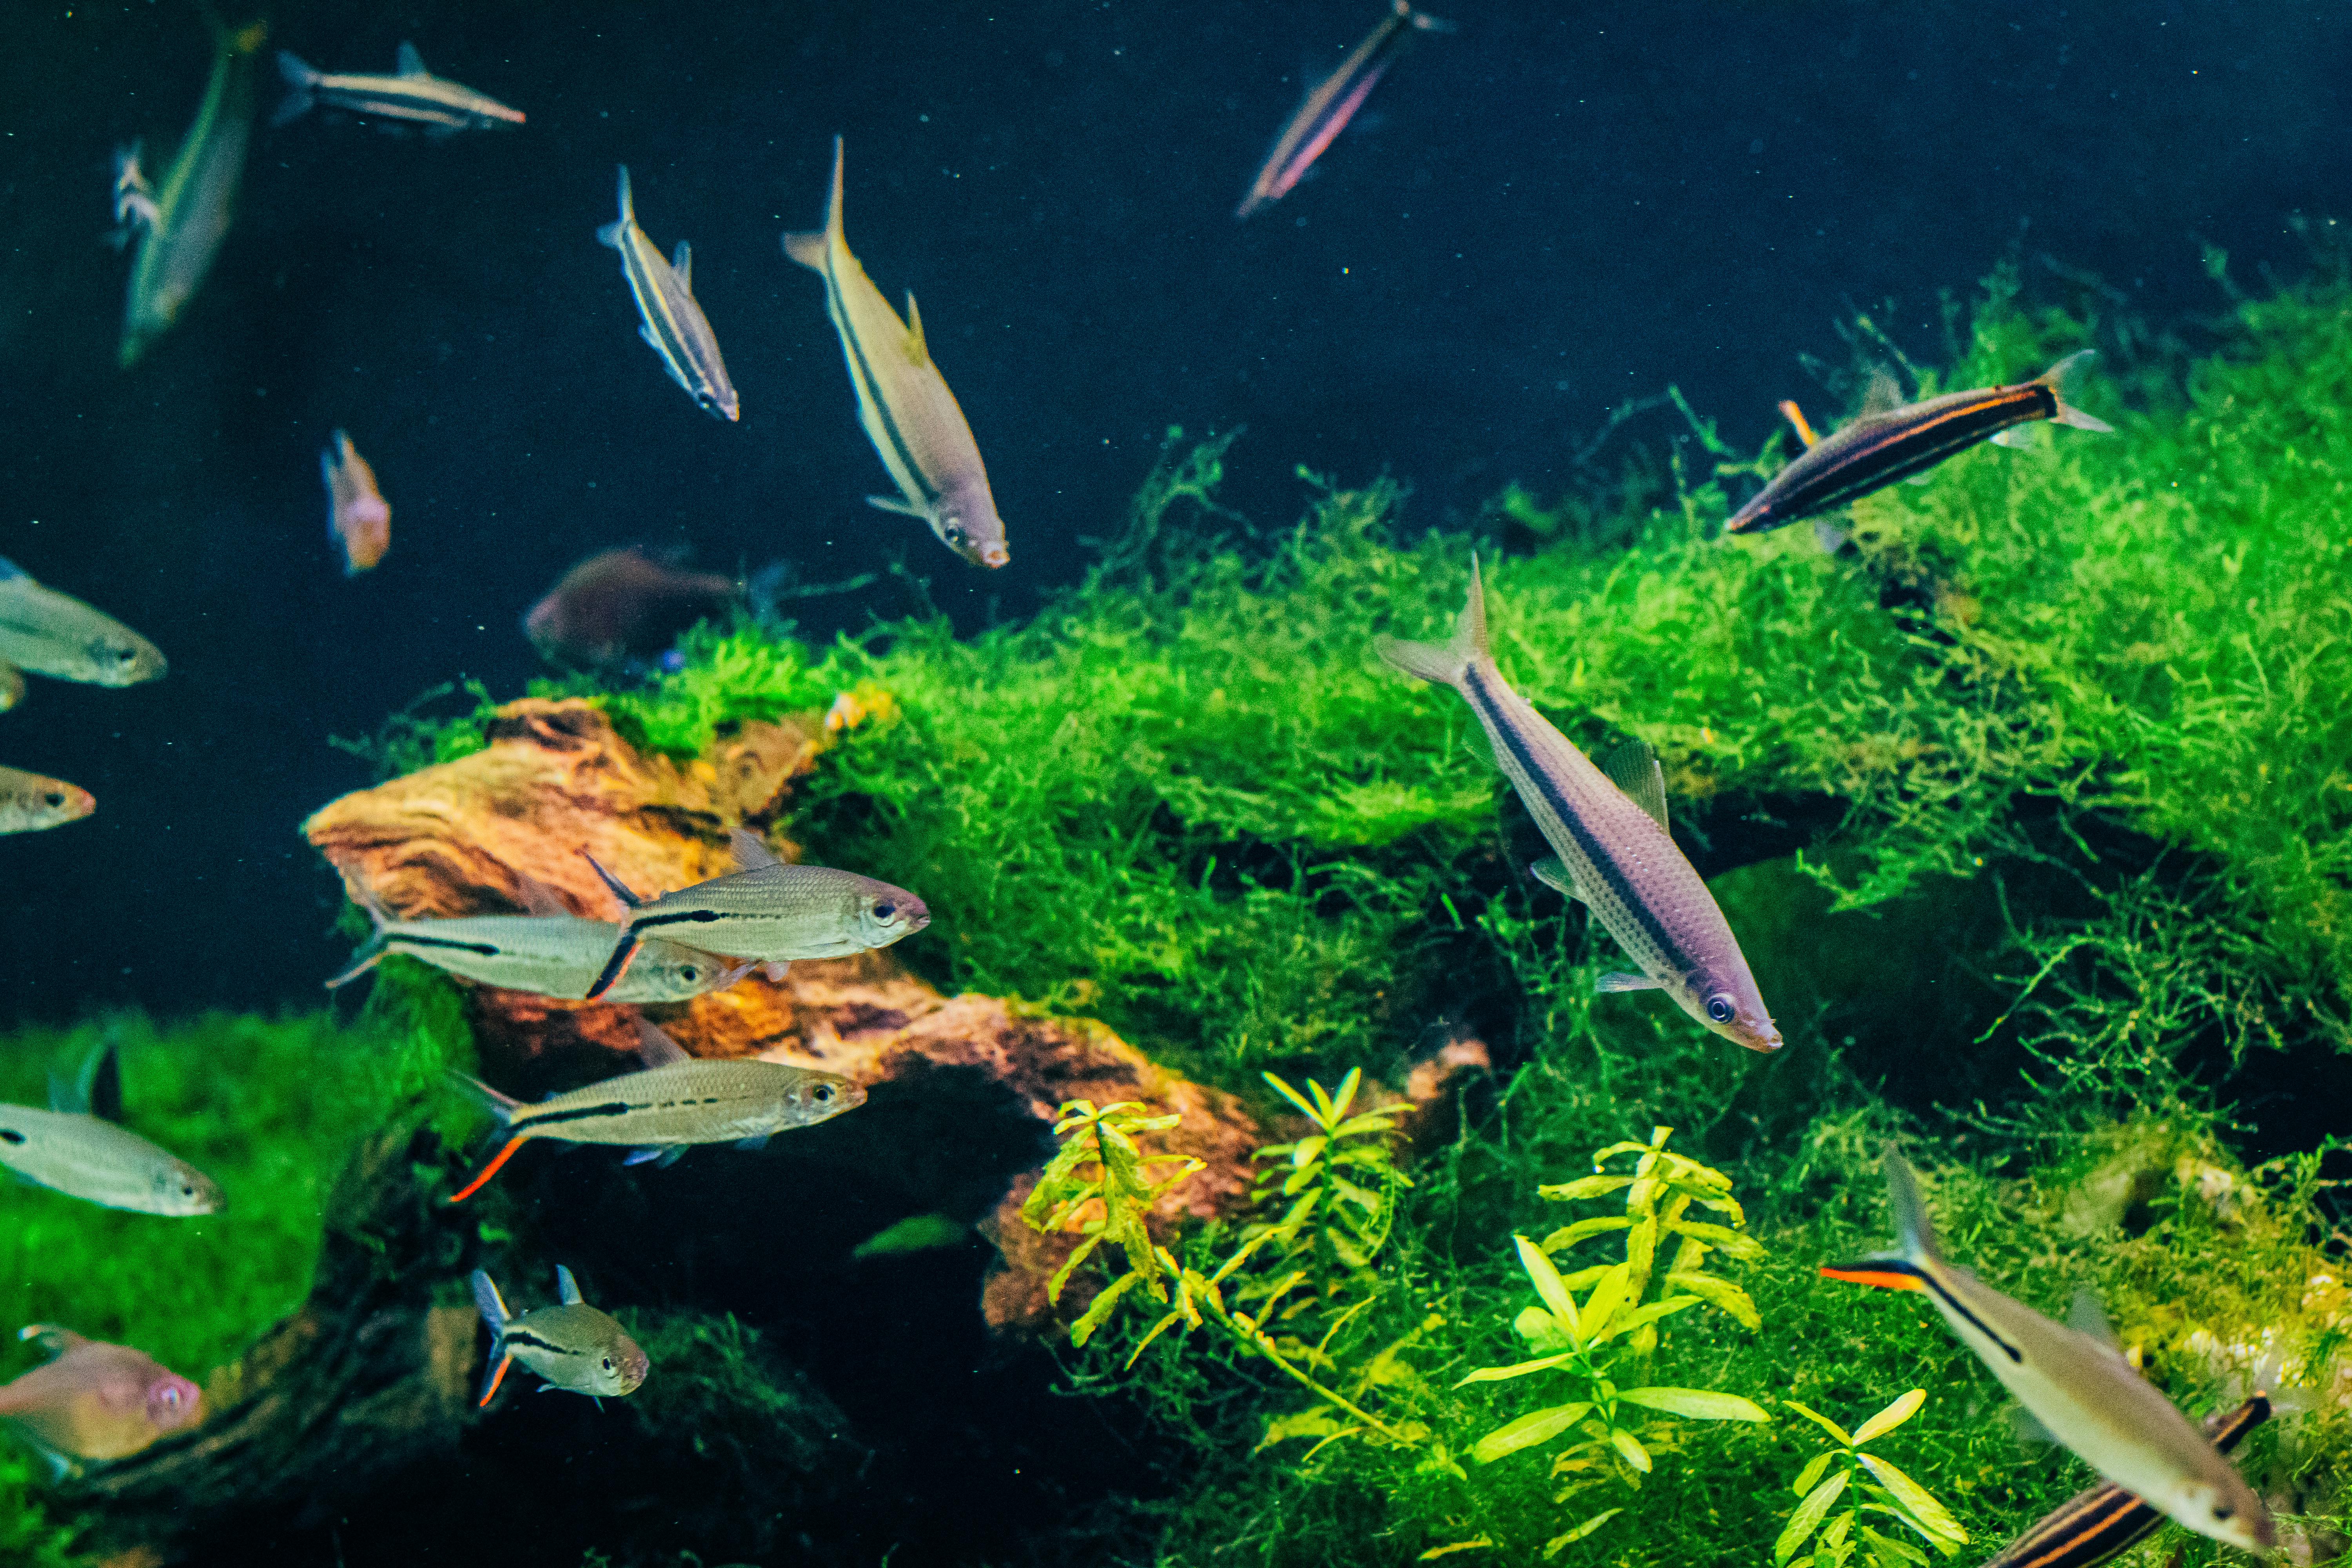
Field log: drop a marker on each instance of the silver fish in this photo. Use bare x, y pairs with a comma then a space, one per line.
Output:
78, 1148
412, 94
676, 1102
571, 1345
182, 225
550, 953
29, 803
672, 321
56, 635
769, 912
2074, 1381
1332, 103
94, 1402
1610, 832
904, 402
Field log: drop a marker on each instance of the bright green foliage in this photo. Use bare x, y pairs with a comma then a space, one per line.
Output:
1590, 1346
1110, 1202
1337, 1190
1864, 1483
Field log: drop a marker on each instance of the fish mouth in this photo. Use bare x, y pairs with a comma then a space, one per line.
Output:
994, 555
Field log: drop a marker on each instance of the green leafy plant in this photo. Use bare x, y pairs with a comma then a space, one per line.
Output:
1866, 1484
1337, 1190
1590, 1348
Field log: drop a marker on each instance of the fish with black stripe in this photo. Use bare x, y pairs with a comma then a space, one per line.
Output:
410, 96
1332, 103
2105, 1522
570, 1345
1609, 831
671, 320
79, 1147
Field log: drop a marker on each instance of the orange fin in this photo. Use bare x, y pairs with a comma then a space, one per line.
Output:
1796, 416
1887, 1274
476, 1185
491, 1391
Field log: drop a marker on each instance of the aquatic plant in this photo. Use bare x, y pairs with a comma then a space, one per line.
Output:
1866, 1483
1335, 1190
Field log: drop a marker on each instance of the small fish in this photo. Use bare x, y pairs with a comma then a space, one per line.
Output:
182, 225
412, 95
1880, 448
134, 198
359, 519
92, 1401
916, 1233
12, 687
77, 1148
572, 1346
902, 400
1610, 832
2072, 1381
1332, 103
620, 603
56, 635
671, 322
674, 1103
769, 912
2096, 1526
29, 803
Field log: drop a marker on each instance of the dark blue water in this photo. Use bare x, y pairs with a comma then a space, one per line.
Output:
1551, 210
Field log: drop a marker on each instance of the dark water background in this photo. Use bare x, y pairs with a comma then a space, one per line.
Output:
1557, 207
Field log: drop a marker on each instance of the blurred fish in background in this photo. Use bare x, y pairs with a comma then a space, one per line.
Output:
359, 519
620, 605
411, 96
29, 801
671, 320
92, 1401
56, 635
1332, 103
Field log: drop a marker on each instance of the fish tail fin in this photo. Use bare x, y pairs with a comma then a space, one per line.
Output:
615, 234
371, 952
492, 1169
2055, 378
1915, 1235
301, 87
1446, 662
502, 1105
494, 1314
810, 248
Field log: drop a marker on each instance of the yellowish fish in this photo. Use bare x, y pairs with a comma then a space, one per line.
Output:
570, 1345
671, 320
56, 635
29, 803
359, 519
93, 1402
904, 402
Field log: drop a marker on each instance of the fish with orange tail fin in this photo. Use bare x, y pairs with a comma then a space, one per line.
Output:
570, 1345
2071, 1380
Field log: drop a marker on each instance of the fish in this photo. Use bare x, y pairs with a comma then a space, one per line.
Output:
620, 603
412, 95
56, 635
92, 1401
1608, 831
674, 1103
903, 402
134, 198
2103, 1523
570, 1345
29, 803
79, 1147
359, 519
181, 223
1881, 449
1332, 103
12, 687
2072, 1381
671, 320
769, 912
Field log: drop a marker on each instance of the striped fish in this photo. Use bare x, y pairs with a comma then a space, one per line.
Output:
2103, 1524
1610, 832
1878, 449
550, 953
30, 802
902, 400
412, 95
56, 635
2074, 1381
79, 1147
1332, 103
674, 1103
673, 323
181, 225
572, 1345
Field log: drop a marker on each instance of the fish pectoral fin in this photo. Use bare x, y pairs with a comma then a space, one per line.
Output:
645, 1156
753, 1144
1553, 873
807, 248
408, 62
894, 504
2017, 437
773, 971
652, 341
681, 262
620, 890
2086, 1316
917, 353
1634, 768
2027, 1428
1618, 980
655, 1048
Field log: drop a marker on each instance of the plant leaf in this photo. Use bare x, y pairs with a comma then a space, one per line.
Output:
1547, 1281
1824, 1422
1811, 1474
1552, 1547
1583, 1188
1933, 1520
1891, 1417
1606, 1299
1288, 1093
1639, 1317
1517, 1369
1536, 1426
1722, 1237
1808, 1513
1105, 1303
1569, 1235
1631, 1446
1720, 1293
1698, 1404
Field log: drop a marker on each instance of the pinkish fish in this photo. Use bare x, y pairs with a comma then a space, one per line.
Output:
92, 1401
621, 603
359, 519
1332, 103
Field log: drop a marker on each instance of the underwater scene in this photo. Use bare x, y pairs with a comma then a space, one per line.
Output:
1533, 784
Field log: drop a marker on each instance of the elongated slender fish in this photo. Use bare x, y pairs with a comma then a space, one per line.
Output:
412, 95
769, 912
674, 1103
1878, 449
1332, 103
1610, 832
2074, 1381
29, 803
182, 225
571, 1345
2096, 1526
359, 519
671, 322
93, 1402
621, 604
56, 635
77, 1148
904, 402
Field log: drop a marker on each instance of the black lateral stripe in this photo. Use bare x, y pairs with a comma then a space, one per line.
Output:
2085, 1530
1957, 1305
530, 1341
1911, 446
446, 943
872, 388
679, 917
572, 1113
1487, 709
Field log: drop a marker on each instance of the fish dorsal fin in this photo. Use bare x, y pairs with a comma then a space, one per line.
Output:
50, 1340
10, 571
567, 1288
917, 353
94, 1091
682, 263
1634, 768
1882, 394
655, 1048
2085, 1316
619, 889
536, 898
752, 852
408, 62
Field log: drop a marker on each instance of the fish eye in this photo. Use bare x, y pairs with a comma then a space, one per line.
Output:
2223, 1510
53, 798
885, 911
955, 530
608, 1363
822, 1094
1720, 1009
171, 1399
124, 656
688, 973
